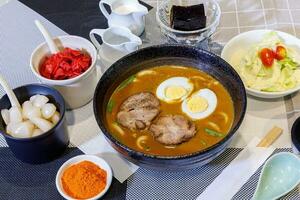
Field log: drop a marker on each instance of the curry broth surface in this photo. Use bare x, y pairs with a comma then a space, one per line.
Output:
149, 83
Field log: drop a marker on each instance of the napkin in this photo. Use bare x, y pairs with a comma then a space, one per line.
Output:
237, 173
261, 116
86, 135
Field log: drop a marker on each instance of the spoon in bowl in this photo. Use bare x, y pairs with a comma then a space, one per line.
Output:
13, 114
10, 93
53, 48
280, 174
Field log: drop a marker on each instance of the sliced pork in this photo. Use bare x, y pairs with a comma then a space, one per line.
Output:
172, 129
138, 111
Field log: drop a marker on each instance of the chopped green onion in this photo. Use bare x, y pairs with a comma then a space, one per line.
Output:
213, 133
147, 148
126, 82
203, 142
110, 105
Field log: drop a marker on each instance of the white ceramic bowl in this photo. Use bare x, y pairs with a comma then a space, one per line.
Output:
96, 160
238, 46
76, 91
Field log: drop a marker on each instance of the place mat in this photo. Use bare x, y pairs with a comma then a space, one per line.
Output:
261, 115
19, 180
239, 16
148, 184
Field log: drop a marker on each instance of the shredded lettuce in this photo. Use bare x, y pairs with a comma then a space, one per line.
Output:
282, 76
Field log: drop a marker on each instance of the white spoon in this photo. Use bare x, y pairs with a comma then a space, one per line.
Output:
279, 176
11, 95
53, 48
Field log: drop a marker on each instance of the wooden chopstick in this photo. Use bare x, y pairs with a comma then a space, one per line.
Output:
271, 137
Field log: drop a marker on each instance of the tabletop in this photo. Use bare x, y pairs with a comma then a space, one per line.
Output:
78, 17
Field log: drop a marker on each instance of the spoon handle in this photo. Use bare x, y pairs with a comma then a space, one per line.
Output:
53, 48
11, 95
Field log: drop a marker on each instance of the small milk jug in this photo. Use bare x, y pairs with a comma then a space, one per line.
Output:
116, 42
127, 13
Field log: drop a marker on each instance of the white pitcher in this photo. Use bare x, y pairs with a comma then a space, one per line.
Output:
127, 13
116, 42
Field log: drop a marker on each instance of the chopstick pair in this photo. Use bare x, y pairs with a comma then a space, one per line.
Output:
270, 137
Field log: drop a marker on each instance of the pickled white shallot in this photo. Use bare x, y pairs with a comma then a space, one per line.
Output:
33, 118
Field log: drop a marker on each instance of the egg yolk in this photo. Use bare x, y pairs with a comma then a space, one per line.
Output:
175, 92
197, 104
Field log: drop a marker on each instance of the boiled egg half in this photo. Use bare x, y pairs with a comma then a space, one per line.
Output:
174, 89
200, 104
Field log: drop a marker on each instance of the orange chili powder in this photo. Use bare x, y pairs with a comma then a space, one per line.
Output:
83, 180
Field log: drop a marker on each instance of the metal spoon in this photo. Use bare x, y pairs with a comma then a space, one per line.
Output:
280, 175
53, 48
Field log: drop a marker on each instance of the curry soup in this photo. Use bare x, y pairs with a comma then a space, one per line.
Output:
210, 130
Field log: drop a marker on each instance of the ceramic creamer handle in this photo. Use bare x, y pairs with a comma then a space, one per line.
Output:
102, 7
93, 38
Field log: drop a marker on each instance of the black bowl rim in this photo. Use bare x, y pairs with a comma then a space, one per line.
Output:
178, 157
293, 134
62, 114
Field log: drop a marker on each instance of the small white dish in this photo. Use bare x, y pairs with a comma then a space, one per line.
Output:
96, 160
239, 45
76, 91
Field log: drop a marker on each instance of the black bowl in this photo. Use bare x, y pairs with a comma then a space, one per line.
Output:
170, 55
295, 133
45, 147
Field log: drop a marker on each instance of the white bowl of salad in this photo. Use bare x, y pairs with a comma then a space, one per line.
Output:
268, 62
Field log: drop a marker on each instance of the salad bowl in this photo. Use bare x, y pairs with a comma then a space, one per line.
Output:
240, 47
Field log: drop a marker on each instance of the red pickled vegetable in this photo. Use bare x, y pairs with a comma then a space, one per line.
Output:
66, 64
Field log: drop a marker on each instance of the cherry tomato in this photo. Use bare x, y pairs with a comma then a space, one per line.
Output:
267, 57
280, 52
